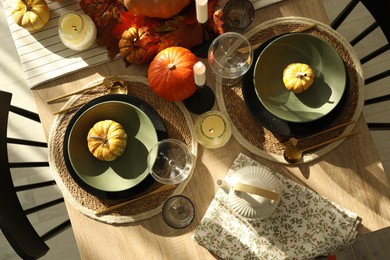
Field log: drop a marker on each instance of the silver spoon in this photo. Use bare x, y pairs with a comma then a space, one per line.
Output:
293, 154
117, 87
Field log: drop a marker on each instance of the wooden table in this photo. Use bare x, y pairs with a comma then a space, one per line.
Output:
351, 175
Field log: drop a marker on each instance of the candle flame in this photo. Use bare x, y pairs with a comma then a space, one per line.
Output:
74, 28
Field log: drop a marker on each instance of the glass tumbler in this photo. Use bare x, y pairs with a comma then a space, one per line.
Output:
237, 15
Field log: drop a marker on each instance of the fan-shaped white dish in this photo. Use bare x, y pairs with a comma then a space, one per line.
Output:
250, 205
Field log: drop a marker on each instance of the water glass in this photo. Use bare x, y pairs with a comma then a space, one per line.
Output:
237, 15
230, 56
170, 161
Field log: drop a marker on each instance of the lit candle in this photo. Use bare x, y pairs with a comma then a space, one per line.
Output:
201, 10
200, 74
76, 31
212, 129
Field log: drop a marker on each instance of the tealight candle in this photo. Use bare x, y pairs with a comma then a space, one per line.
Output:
200, 74
76, 31
212, 129
201, 11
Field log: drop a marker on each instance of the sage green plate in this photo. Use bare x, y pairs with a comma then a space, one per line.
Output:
119, 178
321, 98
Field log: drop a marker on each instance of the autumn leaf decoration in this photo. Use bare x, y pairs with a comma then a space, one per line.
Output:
105, 14
112, 20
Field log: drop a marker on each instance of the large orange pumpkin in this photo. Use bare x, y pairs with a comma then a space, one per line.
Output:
171, 74
155, 8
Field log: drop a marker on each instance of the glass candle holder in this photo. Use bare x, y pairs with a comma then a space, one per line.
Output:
212, 129
77, 31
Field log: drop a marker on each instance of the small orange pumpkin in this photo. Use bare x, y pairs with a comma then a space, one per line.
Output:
135, 45
107, 140
171, 74
298, 77
155, 8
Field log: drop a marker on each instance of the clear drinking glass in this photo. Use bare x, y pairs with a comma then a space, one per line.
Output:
237, 15
170, 161
178, 211
230, 57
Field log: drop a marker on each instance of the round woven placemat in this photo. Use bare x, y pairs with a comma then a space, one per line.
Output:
179, 126
259, 140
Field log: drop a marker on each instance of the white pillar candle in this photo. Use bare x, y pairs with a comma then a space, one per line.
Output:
201, 10
200, 74
76, 31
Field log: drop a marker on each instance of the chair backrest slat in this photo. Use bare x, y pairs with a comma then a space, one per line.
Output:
364, 33
375, 53
13, 222
26, 142
43, 206
344, 14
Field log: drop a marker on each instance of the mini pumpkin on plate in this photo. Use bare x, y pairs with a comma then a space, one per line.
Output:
298, 77
107, 140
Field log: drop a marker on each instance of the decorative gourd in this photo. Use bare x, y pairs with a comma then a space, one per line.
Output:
135, 44
155, 8
171, 74
298, 77
107, 140
30, 14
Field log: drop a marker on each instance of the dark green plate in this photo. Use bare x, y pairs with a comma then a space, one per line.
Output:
127, 175
321, 98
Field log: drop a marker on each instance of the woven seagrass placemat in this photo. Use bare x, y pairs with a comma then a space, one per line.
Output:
259, 140
179, 126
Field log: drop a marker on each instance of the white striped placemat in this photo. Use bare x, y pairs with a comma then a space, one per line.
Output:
42, 54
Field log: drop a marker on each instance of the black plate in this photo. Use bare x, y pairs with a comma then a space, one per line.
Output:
158, 124
276, 124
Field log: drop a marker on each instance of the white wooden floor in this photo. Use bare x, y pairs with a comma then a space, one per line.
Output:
64, 246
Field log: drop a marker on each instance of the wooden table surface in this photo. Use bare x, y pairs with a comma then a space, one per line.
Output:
351, 175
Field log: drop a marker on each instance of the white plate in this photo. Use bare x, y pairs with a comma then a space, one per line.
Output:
250, 205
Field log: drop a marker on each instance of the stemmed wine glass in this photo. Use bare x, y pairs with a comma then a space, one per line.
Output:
171, 162
230, 56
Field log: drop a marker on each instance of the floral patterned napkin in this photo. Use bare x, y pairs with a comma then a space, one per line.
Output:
304, 225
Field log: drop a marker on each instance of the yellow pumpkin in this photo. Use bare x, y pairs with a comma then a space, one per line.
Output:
298, 77
30, 14
156, 8
107, 140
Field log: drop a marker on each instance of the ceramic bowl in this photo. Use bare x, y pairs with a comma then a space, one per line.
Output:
321, 98
104, 178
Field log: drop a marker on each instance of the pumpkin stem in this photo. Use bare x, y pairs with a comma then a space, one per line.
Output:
171, 66
301, 75
103, 140
28, 6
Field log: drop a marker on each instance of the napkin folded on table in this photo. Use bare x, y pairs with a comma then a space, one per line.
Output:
304, 225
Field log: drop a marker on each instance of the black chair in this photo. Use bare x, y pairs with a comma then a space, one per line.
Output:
380, 21
14, 223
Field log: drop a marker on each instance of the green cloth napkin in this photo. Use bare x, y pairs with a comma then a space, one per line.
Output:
304, 225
